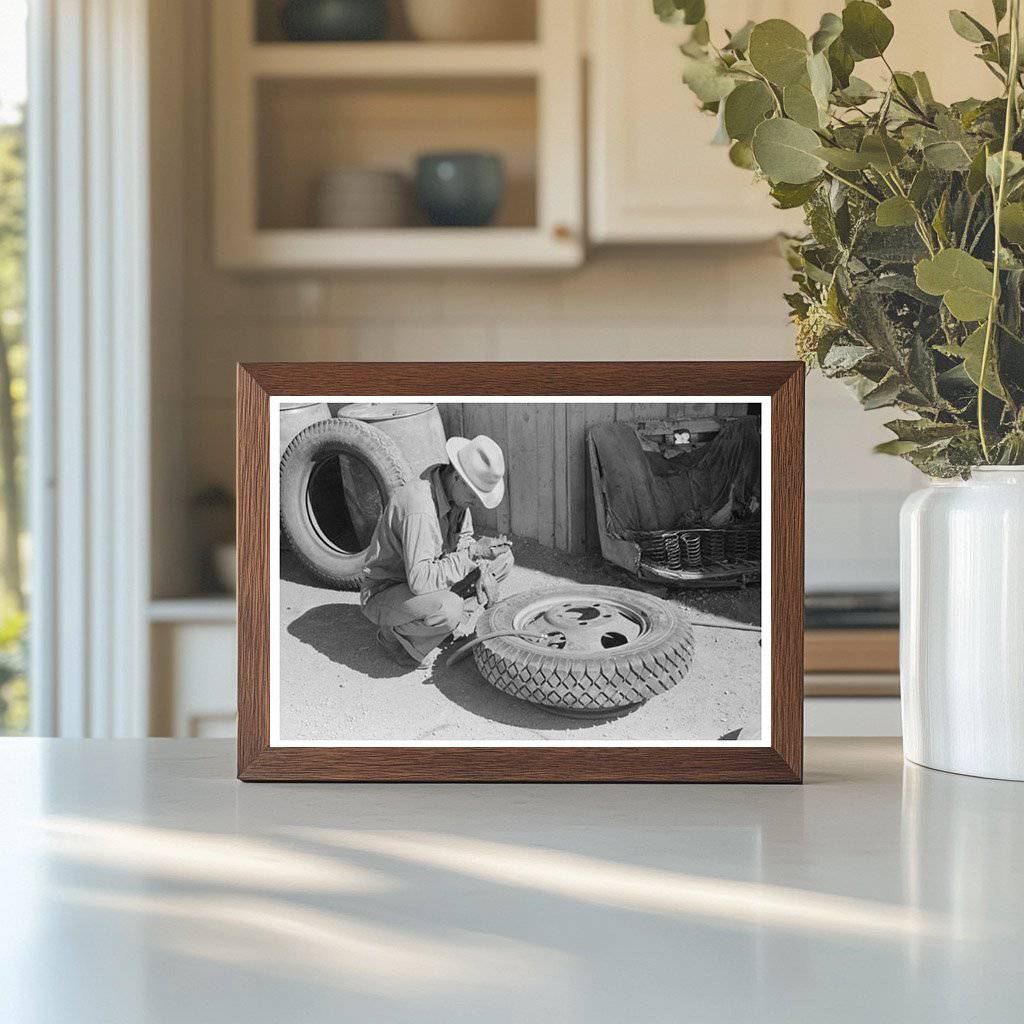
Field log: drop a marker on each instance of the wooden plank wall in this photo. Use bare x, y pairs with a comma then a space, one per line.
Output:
548, 493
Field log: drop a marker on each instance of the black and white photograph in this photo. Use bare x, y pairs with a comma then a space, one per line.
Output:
481, 571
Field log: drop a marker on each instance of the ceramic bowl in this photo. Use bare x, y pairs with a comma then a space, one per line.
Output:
460, 189
470, 20
332, 21
360, 197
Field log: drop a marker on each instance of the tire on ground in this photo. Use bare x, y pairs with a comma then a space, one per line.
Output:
309, 449
586, 684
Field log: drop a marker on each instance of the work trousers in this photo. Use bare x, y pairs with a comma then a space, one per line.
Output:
419, 622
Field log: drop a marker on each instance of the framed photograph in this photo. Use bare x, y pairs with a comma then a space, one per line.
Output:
520, 571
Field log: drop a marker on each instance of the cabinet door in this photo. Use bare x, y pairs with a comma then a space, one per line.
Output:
654, 177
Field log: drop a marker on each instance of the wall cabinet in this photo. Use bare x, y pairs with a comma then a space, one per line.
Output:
653, 177
286, 114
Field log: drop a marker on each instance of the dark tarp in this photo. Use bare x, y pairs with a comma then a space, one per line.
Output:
710, 485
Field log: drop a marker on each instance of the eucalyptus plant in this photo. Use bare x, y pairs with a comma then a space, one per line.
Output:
910, 277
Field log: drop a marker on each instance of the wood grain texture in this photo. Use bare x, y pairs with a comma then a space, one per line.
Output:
780, 762
252, 512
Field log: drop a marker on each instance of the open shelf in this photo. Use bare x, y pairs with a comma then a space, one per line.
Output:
309, 127
520, 22
286, 114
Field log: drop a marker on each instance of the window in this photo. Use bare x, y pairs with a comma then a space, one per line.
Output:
14, 695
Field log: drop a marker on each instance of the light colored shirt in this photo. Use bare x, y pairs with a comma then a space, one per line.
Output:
421, 539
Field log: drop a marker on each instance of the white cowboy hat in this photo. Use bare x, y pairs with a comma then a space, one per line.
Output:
481, 464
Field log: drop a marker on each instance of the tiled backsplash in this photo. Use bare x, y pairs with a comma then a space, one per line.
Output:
693, 304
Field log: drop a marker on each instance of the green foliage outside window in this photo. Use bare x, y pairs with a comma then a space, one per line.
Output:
13, 412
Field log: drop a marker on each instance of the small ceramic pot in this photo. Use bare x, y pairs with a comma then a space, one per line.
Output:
470, 20
332, 21
357, 197
460, 189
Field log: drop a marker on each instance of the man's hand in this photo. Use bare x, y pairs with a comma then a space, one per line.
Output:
487, 588
489, 547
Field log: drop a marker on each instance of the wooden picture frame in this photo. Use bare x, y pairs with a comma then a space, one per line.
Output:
779, 759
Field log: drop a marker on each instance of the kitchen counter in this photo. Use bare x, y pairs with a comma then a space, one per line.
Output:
140, 882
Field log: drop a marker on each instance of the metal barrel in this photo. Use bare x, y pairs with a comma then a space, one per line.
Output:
415, 427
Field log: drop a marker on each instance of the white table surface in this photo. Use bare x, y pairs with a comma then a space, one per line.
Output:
140, 882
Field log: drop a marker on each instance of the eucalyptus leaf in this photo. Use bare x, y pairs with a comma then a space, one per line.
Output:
922, 185
883, 152
721, 136
866, 29
969, 28
741, 155
895, 447
841, 62
883, 395
923, 431
857, 91
947, 156
829, 30
787, 152
701, 34
993, 167
708, 80
894, 212
905, 84
939, 219
819, 76
779, 51
844, 159
1012, 223
788, 196
801, 106
972, 351
689, 12
963, 281
745, 108
976, 176
739, 41
924, 87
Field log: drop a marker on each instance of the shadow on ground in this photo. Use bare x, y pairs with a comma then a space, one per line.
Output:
342, 634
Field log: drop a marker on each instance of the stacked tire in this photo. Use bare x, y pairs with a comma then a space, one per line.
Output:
371, 467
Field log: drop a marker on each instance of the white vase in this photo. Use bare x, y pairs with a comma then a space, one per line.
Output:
962, 624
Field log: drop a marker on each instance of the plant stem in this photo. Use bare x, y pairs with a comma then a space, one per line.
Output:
853, 185
1011, 108
907, 99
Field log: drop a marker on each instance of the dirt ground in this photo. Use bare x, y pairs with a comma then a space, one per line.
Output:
338, 685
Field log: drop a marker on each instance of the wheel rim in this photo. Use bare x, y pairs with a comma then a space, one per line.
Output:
580, 624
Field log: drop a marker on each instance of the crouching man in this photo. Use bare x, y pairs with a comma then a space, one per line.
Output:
424, 566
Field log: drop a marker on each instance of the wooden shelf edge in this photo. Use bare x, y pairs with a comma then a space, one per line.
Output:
392, 60
413, 247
